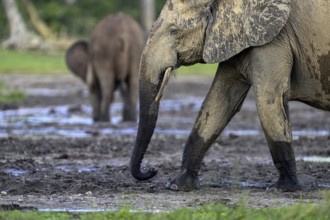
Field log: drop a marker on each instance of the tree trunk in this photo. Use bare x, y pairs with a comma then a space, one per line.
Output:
20, 37
148, 13
38, 24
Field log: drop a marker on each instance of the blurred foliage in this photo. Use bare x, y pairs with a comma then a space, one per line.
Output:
32, 62
10, 95
79, 18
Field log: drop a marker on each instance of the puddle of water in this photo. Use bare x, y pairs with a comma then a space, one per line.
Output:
15, 172
68, 168
87, 169
317, 159
241, 184
46, 92
49, 131
242, 132
248, 184
91, 210
19, 130
18, 122
194, 104
322, 185
64, 168
311, 133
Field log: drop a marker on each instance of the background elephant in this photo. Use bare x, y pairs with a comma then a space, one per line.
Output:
281, 48
109, 61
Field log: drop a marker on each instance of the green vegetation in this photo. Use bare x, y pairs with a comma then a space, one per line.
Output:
198, 70
10, 95
76, 19
44, 63
31, 62
208, 212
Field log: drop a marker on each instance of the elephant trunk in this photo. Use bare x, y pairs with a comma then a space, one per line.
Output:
150, 91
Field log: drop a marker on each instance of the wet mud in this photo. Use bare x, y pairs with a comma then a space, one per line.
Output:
54, 158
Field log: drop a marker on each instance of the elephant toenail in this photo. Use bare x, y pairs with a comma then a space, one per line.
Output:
174, 187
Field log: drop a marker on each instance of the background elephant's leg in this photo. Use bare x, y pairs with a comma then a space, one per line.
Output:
108, 88
130, 98
271, 70
95, 100
224, 99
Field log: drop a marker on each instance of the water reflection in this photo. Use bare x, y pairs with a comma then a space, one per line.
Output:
15, 172
91, 210
317, 159
75, 121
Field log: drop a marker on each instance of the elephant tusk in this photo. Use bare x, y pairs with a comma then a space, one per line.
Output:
164, 83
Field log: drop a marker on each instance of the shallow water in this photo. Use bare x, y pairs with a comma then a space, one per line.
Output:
91, 210
317, 159
15, 172
75, 121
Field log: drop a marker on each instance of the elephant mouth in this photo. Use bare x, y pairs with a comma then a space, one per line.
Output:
167, 76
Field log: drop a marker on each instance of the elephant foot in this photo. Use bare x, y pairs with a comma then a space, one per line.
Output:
183, 182
103, 119
129, 114
287, 185
129, 118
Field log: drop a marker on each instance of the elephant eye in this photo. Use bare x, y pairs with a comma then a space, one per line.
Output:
173, 31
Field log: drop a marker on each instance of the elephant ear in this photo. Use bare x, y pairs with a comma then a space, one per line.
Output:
77, 59
239, 24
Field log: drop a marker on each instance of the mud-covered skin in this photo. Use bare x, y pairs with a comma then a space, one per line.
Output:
286, 166
280, 48
109, 62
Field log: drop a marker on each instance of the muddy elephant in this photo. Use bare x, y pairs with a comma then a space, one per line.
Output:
280, 48
110, 61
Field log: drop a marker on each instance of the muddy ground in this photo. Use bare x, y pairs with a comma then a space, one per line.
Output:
54, 158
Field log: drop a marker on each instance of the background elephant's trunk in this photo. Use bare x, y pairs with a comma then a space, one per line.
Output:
150, 83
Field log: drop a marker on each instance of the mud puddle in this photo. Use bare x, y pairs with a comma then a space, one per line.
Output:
51, 120
53, 158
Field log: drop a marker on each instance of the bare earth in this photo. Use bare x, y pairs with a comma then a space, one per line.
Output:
48, 169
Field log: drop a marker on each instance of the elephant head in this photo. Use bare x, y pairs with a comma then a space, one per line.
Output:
77, 59
197, 31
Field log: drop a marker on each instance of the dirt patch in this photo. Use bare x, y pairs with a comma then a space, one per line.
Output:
58, 171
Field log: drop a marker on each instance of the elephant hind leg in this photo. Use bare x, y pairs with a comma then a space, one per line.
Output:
129, 92
278, 134
95, 95
224, 99
271, 81
95, 100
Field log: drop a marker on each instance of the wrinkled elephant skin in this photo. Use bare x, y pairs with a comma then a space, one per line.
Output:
280, 48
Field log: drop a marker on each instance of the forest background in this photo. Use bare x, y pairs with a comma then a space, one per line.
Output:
69, 19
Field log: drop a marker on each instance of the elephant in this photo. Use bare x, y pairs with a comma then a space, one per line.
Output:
280, 48
110, 61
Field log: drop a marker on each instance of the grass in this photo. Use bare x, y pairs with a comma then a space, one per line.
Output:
32, 62
208, 212
36, 62
198, 70
10, 95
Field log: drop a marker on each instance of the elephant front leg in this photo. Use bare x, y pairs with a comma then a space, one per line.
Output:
107, 84
222, 102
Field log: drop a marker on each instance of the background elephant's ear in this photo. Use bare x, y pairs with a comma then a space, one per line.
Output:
77, 59
239, 24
